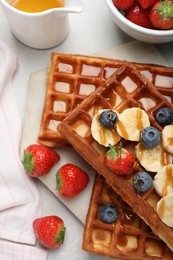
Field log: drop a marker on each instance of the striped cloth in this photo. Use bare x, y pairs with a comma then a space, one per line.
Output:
20, 202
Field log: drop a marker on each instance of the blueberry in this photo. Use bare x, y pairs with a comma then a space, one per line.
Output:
142, 182
108, 213
108, 118
150, 137
164, 116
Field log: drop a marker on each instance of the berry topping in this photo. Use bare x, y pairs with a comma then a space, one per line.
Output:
139, 16
150, 137
108, 118
108, 213
142, 182
119, 160
50, 231
71, 180
161, 15
164, 116
38, 160
123, 4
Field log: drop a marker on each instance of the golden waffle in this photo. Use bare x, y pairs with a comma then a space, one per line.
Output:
128, 238
71, 78
114, 94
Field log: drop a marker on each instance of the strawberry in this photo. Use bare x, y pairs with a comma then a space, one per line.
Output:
119, 160
161, 15
139, 16
147, 3
123, 4
50, 231
71, 180
38, 160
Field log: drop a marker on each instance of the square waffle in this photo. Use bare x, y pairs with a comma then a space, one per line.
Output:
71, 78
128, 238
116, 94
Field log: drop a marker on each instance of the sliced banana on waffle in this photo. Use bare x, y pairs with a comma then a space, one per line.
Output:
102, 134
163, 180
165, 209
167, 138
130, 122
153, 159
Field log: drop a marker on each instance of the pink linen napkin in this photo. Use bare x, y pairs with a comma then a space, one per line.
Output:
20, 201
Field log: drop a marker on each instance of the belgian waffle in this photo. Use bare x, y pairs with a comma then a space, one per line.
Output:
114, 94
128, 238
71, 78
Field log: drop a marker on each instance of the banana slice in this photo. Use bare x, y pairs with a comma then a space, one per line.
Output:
131, 122
153, 159
163, 180
167, 137
101, 134
165, 209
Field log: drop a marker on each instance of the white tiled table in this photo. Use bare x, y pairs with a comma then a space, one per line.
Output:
91, 31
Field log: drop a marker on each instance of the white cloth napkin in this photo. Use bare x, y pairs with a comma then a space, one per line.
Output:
20, 201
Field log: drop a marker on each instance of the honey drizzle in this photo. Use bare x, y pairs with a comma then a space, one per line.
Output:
102, 135
122, 240
161, 209
129, 216
103, 132
139, 119
123, 130
169, 179
165, 158
170, 141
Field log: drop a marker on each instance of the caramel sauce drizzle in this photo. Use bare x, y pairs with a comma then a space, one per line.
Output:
102, 135
112, 99
122, 240
123, 130
165, 159
170, 141
129, 216
169, 179
103, 132
139, 119
161, 209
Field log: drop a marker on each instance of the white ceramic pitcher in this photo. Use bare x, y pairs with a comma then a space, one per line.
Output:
44, 29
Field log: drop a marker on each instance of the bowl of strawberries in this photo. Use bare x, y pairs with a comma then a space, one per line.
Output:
148, 21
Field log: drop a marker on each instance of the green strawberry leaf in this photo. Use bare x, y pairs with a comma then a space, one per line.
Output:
28, 162
58, 181
61, 235
115, 151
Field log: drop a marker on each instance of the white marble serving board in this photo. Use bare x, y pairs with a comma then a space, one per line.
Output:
135, 51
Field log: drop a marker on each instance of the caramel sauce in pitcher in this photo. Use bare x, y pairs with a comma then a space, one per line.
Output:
34, 6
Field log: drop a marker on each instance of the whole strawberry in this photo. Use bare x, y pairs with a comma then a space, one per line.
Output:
38, 160
161, 15
119, 160
123, 4
139, 16
50, 231
71, 180
147, 3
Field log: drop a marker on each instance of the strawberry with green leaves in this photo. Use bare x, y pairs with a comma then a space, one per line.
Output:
50, 231
38, 160
119, 160
161, 15
71, 180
